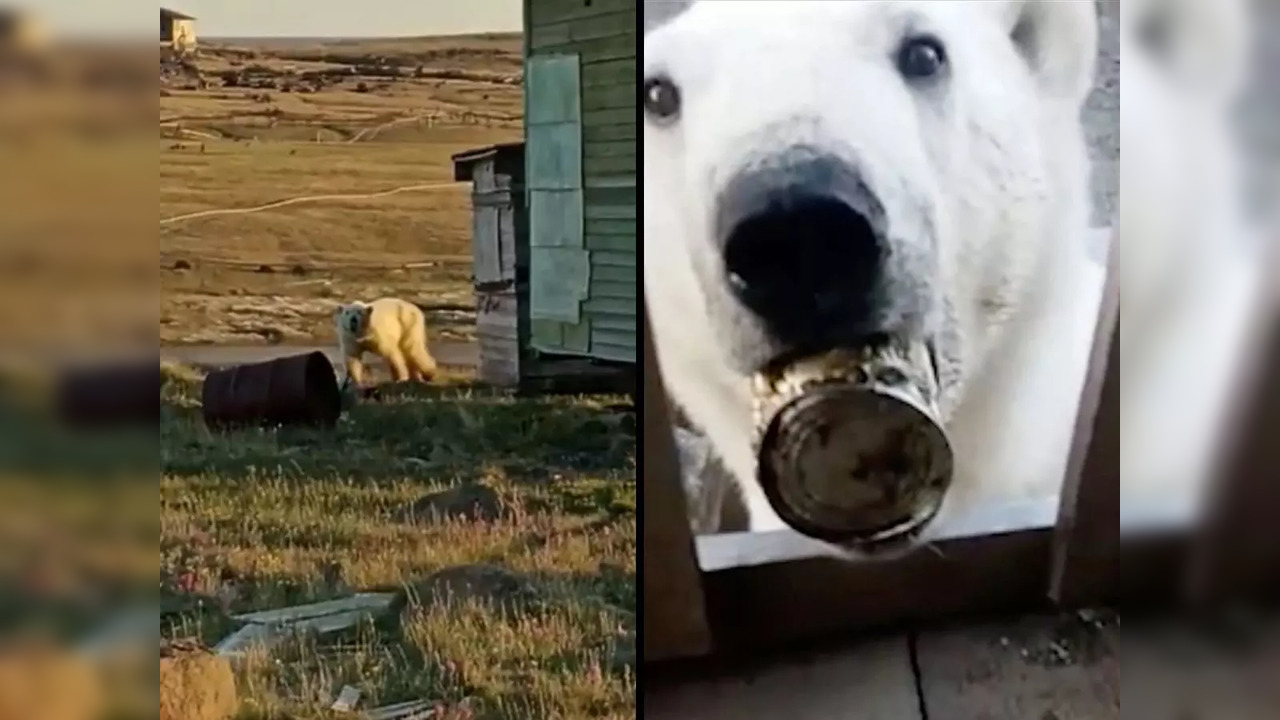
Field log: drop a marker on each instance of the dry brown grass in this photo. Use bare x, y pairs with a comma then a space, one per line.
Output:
236, 147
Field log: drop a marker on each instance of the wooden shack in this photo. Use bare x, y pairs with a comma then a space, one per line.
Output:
21, 32
177, 31
554, 228
500, 274
580, 165
500, 251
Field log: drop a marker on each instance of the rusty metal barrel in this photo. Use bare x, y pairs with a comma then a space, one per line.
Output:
115, 394
294, 390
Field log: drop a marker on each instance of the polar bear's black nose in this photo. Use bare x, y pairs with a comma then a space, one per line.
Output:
804, 250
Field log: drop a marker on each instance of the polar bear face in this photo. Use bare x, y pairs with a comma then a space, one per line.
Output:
352, 319
825, 174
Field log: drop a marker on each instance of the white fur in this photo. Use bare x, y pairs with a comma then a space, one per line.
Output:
391, 328
1189, 273
995, 163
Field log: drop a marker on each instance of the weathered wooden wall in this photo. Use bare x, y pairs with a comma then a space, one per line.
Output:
500, 248
580, 96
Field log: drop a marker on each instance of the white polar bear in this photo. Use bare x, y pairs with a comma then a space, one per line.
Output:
1190, 272
390, 327
945, 143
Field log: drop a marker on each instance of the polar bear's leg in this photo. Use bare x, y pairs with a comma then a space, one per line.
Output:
355, 370
421, 365
399, 368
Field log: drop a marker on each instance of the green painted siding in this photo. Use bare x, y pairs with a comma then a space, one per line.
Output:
580, 98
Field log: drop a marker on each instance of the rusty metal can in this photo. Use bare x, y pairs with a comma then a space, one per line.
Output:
293, 390
850, 447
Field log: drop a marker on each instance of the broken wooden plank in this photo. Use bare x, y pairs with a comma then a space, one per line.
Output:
239, 642
269, 626
412, 710
326, 624
360, 601
268, 634
347, 699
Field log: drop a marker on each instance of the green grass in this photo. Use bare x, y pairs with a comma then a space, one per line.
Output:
298, 515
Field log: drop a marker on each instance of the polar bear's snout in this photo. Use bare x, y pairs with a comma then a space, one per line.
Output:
806, 250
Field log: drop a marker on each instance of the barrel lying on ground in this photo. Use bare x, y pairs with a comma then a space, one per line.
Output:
294, 390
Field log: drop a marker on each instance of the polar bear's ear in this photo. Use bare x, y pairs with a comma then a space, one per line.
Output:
1058, 39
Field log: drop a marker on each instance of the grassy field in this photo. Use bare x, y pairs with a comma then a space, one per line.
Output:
249, 123
527, 506
506, 527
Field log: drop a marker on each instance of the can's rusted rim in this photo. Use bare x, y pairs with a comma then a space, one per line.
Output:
855, 465
324, 393
851, 450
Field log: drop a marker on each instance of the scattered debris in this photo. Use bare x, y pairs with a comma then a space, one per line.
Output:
412, 710
269, 626
238, 642
348, 697
358, 602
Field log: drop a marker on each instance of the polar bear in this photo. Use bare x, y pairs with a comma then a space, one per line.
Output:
941, 145
1189, 264
390, 327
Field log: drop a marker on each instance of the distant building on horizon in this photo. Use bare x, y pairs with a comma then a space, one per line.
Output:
21, 31
177, 31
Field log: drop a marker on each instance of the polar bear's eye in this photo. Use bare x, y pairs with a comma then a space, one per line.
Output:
921, 57
661, 98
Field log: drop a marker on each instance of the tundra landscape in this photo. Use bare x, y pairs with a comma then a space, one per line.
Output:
491, 538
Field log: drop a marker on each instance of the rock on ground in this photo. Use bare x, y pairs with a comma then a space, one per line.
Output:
465, 502
470, 583
196, 685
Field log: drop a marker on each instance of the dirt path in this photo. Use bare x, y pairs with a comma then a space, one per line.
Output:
453, 354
